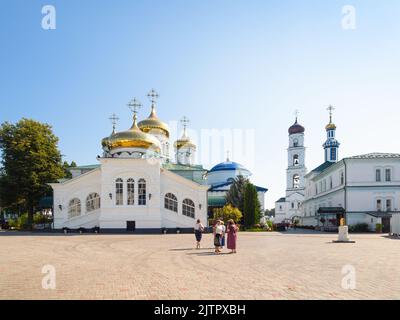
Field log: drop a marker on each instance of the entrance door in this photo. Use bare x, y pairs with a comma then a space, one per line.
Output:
130, 226
386, 225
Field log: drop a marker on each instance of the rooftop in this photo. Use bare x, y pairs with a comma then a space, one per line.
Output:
377, 155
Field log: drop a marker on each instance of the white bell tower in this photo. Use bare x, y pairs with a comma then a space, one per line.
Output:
296, 169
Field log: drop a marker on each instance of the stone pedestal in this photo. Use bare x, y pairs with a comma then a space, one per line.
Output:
343, 235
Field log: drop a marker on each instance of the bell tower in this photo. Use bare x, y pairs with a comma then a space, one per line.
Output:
331, 145
296, 169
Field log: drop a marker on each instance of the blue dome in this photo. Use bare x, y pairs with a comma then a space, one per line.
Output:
227, 166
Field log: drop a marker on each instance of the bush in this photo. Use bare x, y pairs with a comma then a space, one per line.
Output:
378, 227
360, 227
19, 223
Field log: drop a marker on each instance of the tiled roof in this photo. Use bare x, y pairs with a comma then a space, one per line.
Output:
377, 155
174, 166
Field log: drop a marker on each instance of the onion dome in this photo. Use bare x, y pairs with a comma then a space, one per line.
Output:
184, 142
132, 138
296, 128
153, 123
228, 166
330, 126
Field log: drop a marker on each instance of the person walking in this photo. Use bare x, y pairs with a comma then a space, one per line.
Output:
232, 230
198, 232
217, 236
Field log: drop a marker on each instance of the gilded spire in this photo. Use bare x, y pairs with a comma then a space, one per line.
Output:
330, 125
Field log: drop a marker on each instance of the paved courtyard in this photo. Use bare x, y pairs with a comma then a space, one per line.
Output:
267, 266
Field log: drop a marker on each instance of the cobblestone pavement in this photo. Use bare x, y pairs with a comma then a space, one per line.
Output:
267, 266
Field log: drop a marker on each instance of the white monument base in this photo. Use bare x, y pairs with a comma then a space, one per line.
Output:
343, 235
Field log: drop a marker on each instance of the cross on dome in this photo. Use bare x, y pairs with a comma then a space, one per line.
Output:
134, 105
330, 109
296, 114
153, 96
113, 118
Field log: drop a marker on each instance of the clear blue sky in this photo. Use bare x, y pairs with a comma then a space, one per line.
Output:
224, 64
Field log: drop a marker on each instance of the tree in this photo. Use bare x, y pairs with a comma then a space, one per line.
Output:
30, 160
235, 195
227, 213
251, 206
67, 167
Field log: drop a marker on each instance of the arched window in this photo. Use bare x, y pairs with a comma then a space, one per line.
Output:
119, 192
74, 208
130, 188
188, 208
295, 143
171, 202
296, 160
296, 181
92, 202
142, 192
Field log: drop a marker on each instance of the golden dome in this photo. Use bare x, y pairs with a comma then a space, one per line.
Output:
132, 138
184, 142
330, 126
153, 123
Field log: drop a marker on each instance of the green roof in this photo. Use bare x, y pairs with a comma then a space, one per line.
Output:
180, 167
88, 167
216, 201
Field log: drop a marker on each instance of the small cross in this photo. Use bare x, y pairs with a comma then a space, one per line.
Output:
227, 155
330, 109
134, 105
296, 114
114, 120
153, 96
185, 122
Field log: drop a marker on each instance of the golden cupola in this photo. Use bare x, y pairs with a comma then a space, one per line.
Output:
184, 141
153, 124
330, 125
132, 138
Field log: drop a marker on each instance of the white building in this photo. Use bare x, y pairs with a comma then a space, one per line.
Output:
361, 189
289, 207
133, 187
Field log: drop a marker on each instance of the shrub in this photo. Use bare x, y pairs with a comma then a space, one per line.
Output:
378, 227
360, 227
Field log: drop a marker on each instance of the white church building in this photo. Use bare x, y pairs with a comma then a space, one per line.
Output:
138, 186
132, 188
363, 189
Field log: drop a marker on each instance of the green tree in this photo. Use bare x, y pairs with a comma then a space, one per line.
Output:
235, 195
30, 160
227, 213
251, 206
66, 167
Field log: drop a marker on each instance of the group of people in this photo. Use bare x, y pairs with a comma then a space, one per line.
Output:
220, 233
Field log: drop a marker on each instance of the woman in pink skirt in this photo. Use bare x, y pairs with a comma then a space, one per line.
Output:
231, 231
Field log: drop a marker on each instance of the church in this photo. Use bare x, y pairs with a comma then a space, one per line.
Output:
137, 187
363, 190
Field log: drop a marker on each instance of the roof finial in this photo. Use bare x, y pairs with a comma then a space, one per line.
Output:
153, 96
134, 105
330, 109
296, 114
227, 155
184, 122
114, 120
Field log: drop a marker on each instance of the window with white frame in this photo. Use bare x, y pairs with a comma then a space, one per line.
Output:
142, 192
74, 208
378, 177
130, 192
188, 208
388, 204
119, 192
379, 204
388, 174
92, 202
171, 202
